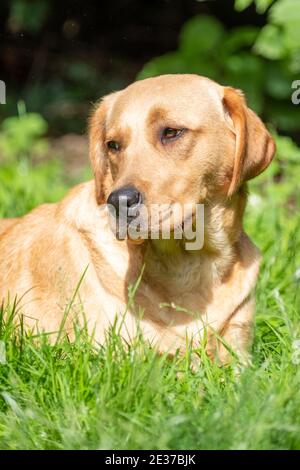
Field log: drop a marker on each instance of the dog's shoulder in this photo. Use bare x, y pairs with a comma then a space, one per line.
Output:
250, 255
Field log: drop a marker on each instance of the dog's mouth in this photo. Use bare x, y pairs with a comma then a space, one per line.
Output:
167, 221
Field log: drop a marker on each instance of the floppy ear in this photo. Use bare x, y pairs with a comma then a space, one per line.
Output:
254, 147
97, 150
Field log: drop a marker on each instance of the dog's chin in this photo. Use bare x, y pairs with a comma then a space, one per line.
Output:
165, 229
172, 226
170, 229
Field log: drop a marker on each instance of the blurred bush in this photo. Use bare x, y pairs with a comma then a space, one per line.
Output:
263, 62
280, 38
23, 185
62, 65
23, 135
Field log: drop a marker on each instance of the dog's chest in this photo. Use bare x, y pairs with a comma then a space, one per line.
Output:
183, 278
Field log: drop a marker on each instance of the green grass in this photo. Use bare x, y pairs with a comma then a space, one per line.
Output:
71, 396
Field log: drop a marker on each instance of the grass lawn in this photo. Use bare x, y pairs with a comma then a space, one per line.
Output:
71, 396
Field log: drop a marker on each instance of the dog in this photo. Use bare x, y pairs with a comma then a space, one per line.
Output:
169, 140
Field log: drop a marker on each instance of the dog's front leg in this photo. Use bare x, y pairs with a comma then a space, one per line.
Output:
235, 337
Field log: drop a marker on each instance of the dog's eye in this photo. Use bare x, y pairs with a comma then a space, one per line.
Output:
113, 145
170, 134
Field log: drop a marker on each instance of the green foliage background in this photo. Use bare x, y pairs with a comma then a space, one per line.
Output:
262, 62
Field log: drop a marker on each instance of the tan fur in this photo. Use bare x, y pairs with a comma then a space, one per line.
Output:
6, 223
182, 293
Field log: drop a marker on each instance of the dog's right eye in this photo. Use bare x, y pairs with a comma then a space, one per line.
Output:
170, 134
113, 145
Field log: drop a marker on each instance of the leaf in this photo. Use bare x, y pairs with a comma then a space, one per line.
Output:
262, 5
270, 43
284, 12
291, 37
200, 36
241, 5
173, 62
239, 38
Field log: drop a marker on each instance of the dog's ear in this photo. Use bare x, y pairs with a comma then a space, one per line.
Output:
254, 147
97, 150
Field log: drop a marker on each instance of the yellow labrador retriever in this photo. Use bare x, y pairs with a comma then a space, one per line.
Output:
171, 140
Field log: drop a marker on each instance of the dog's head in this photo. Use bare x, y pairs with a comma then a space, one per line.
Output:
175, 139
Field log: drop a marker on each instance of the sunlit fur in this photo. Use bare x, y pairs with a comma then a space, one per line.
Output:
182, 293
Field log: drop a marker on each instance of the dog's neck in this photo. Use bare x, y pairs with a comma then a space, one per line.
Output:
173, 266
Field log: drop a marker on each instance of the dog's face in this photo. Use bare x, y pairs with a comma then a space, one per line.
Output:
175, 139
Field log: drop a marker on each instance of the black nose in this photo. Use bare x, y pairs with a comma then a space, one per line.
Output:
124, 198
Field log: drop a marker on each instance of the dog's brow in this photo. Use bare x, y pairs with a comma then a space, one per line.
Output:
122, 134
156, 113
